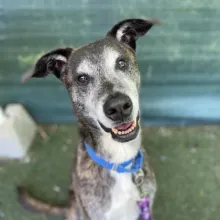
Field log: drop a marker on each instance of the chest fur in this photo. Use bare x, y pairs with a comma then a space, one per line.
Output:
124, 198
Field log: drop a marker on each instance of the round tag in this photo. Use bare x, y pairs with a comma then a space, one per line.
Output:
138, 178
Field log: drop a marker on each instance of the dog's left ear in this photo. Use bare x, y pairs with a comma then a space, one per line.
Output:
129, 30
54, 62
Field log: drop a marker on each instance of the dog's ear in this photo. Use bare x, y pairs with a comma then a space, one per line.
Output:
129, 30
52, 62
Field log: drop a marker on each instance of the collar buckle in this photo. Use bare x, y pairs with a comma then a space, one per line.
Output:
114, 167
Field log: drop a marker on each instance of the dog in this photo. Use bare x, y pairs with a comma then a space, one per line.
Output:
110, 179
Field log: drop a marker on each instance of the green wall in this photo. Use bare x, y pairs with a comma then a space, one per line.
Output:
179, 60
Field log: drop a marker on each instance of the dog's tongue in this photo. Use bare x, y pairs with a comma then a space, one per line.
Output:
124, 126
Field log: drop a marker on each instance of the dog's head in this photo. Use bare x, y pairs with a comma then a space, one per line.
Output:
103, 79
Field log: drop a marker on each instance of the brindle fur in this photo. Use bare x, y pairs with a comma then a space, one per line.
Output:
90, 194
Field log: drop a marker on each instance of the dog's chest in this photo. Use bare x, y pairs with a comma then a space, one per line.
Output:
124, 198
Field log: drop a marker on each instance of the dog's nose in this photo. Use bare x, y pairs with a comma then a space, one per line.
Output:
118, 107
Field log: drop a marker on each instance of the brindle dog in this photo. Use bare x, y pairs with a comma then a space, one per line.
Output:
103, 82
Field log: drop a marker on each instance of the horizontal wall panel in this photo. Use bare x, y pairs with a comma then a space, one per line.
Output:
178, 60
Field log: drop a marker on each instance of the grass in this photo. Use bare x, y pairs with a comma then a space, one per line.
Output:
185, 160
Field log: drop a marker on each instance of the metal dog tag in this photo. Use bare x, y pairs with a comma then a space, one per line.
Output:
138, 178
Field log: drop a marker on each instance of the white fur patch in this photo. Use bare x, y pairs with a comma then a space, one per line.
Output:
120, 32
125, 196
85, 67
61, 58
120, 152
110, 56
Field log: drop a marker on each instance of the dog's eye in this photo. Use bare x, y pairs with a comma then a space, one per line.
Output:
83, 79
122, 63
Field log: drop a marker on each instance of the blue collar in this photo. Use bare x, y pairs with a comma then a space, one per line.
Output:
136, 162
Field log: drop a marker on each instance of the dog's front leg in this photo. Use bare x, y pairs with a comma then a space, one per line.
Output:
149, 186
147, 193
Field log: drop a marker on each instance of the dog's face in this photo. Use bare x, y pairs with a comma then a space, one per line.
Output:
104, 87
103, 79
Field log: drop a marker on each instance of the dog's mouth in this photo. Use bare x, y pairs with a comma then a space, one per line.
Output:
124, 132
124, 128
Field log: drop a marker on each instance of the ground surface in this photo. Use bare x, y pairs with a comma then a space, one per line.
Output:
186, 162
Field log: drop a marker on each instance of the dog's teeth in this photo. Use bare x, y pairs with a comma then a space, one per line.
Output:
115, 131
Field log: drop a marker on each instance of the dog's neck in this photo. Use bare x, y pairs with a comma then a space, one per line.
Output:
117, 152
111, 150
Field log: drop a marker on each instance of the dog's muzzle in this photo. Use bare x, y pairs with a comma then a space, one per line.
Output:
118, 108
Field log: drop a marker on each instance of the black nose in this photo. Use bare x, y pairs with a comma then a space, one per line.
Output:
118, 107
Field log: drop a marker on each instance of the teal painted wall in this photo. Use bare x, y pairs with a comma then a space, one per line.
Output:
179, 60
